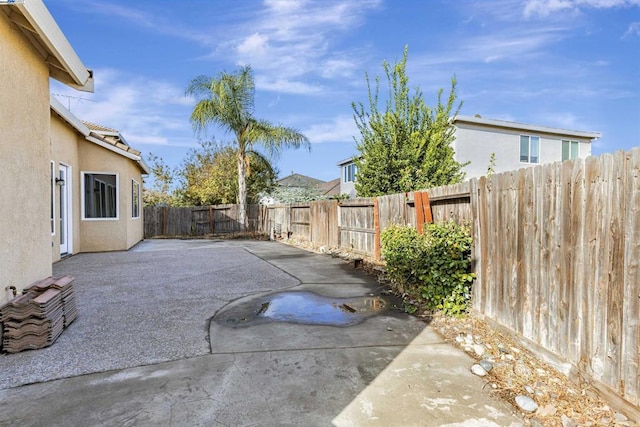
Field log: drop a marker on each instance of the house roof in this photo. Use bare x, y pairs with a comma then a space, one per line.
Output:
331, 188
33, 18
301, 181
347, 161
113, 135
523, 126
108, 142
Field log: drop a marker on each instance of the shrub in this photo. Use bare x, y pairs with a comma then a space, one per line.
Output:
431, 269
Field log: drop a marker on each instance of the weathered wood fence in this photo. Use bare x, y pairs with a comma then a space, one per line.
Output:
168, 221
556, 253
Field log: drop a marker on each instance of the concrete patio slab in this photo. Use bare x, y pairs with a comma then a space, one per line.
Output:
390, 369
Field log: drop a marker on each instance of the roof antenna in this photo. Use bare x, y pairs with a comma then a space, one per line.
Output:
69, 98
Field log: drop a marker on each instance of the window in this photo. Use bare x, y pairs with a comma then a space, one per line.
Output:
100, 192
350, 173
569, 150
529, 149
135, 199
53, 198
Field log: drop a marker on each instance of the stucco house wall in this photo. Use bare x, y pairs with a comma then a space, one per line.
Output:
64, 150
87, 148
32, 50
109, 234
347, 185
25, 255
474, 143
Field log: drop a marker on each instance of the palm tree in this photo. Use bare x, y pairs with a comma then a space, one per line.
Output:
227, 101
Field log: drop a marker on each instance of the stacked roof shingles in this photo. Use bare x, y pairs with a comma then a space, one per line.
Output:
37, 318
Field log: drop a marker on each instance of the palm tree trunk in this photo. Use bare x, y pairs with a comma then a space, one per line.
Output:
242, 189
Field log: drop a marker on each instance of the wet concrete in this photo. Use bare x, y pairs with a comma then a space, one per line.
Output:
303, 307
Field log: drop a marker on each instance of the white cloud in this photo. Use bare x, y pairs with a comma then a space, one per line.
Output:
340, 129
545, 8
254, 45
633, 30
143, 110
155, 22
291, 41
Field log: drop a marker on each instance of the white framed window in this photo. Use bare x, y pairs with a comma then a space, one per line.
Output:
350, 173
570, 149
53, 198
529, 149
135, 199
100, 195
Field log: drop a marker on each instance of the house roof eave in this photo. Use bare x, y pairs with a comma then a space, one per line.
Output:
97, 138
34, 19
504, 124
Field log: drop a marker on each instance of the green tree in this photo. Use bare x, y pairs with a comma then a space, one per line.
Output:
406, 146
209, 175
227, 101
160, 192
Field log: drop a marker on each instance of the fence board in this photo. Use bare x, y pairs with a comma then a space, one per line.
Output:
631, 308
300, 223
324, 222
356, 226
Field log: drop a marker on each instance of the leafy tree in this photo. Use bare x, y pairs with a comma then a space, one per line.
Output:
227, 101
209, 175
406, 146
160, 192
288, 195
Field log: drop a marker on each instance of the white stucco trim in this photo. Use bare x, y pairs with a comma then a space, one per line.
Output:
47, 33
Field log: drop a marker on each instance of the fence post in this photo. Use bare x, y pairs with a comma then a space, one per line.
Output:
423, 210
376, 229
164, 220
211, 229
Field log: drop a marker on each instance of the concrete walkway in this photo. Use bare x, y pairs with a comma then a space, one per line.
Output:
144, 352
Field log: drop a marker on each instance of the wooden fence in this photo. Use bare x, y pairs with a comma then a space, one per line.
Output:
165, 221
556, 253
558, 262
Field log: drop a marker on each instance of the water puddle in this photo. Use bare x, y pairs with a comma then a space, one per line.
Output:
299, 307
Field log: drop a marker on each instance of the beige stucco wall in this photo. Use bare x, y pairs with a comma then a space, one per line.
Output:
25, 247
64, 150
110, 234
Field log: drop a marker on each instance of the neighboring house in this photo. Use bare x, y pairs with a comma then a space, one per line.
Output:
331, 188
348, 172
515, 145
295, 180
96, 187
32, 49
297, 188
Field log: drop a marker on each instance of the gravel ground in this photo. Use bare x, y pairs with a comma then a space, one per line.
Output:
148, 305
517, 372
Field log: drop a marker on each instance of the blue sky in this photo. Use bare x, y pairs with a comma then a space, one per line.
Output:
573, 64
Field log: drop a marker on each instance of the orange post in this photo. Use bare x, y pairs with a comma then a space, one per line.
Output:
423, 210
376, 228
417, 202
426, 206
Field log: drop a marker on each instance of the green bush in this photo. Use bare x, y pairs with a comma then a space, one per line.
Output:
431, 269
